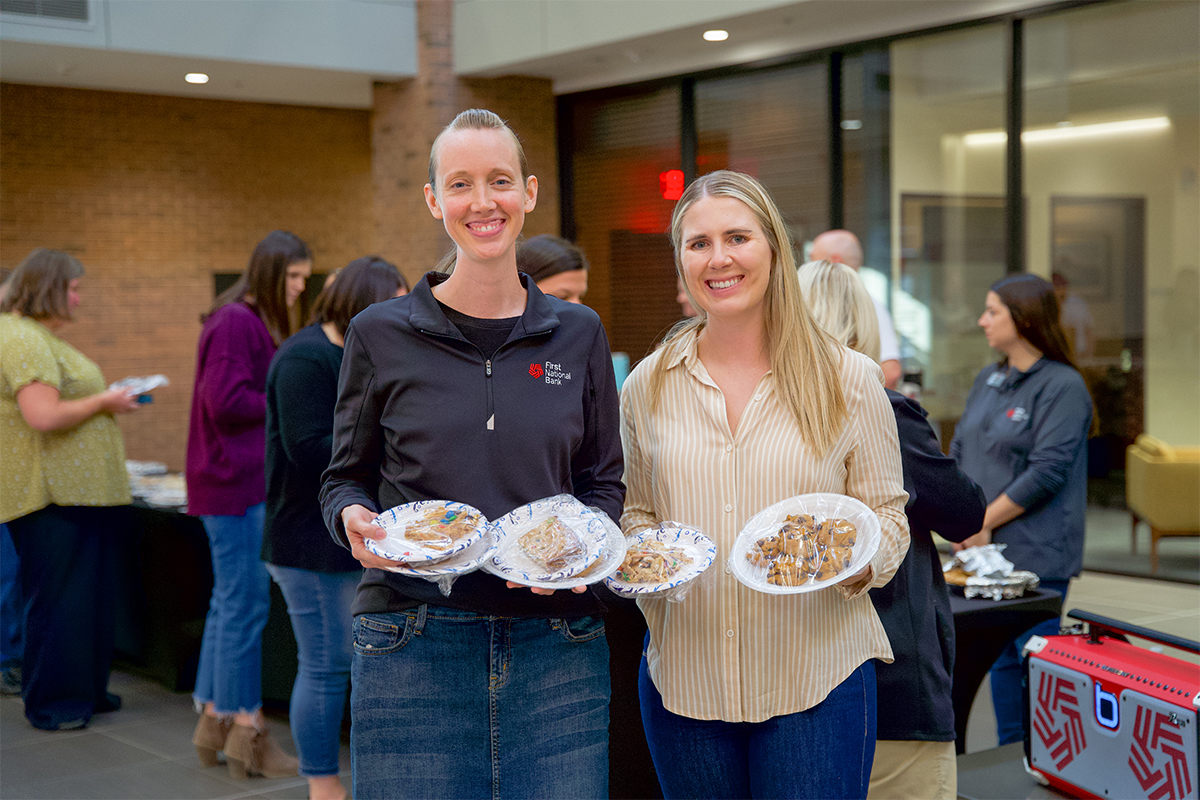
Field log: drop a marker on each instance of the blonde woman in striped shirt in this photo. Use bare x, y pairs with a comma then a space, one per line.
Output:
746, 694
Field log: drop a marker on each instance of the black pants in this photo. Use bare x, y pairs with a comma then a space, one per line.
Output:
69, 564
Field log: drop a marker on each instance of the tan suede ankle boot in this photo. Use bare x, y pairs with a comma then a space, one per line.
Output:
209, 738
250, 751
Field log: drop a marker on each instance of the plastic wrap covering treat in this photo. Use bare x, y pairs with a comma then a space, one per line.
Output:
142, 386
427, 531
805, 543
555, 543
664, 561
984, 572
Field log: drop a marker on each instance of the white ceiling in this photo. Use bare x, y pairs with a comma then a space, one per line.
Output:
627, 56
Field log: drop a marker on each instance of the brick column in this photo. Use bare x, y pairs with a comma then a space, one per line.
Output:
407, 116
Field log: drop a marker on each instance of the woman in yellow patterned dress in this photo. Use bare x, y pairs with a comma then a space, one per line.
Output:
63, 493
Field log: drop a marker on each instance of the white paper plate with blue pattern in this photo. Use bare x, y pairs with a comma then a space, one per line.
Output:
512, 563
420, 514
694, 544
462, 562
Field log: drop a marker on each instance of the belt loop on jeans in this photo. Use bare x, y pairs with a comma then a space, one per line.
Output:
422, 611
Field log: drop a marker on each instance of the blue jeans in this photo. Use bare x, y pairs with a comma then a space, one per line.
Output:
70, 562
12, 602
822, 752
1008, 674
449, 703
230, 671
319, 606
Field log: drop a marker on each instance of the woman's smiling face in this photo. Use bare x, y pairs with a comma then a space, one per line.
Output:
726, 258
480, 195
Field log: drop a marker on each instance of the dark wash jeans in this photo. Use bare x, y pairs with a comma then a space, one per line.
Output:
70, 562
823, 752
452, 704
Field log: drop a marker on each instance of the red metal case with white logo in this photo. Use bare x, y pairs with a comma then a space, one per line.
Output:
1109, 719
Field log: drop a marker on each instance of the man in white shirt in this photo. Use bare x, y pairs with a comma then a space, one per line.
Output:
1075, 316
843, 247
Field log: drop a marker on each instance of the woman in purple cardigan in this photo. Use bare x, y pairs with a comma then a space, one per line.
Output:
226, 487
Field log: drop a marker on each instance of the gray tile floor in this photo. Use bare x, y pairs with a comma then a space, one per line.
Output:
144, 751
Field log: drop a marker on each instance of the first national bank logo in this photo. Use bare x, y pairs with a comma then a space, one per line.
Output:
550, 372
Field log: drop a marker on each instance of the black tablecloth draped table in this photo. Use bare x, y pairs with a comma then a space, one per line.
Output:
982, 628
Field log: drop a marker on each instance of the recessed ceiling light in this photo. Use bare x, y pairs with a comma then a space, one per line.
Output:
196, 77
716, 36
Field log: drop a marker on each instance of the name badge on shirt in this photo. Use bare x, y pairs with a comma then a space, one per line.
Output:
996, 379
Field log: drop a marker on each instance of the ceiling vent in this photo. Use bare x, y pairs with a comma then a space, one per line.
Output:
64, 10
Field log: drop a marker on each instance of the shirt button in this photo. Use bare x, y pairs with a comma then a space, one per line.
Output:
728, 571
728, 508
728, 447
728, 634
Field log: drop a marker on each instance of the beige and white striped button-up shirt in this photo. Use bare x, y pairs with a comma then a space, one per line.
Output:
728, 652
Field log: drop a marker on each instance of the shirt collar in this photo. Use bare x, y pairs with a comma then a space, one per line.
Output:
427, 315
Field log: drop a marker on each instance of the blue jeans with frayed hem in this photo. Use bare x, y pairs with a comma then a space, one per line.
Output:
318, 604
229, 674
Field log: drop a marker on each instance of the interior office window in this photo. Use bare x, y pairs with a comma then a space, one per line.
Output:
1111, 152
866, 156
948, 194
772, 125
622, 144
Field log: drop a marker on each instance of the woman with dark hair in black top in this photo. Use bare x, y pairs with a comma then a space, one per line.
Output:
318, 578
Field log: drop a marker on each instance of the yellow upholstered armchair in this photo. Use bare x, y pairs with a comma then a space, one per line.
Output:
1162, 487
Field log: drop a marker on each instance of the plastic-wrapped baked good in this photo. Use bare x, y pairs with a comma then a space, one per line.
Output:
552, 545
439, 528
824, 537
652, 561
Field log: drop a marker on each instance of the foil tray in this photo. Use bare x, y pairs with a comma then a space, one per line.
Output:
1006, 588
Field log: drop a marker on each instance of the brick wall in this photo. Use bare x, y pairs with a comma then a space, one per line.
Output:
409, 114
154, 195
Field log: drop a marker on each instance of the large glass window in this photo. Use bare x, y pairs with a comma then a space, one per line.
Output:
622, 144
1111, 152
772, 125
866, 157
947, 206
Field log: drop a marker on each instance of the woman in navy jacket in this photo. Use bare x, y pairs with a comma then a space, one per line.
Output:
478, 388
914, 754
1023, 439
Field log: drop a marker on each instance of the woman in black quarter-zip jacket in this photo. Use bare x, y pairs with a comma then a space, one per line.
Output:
476, 388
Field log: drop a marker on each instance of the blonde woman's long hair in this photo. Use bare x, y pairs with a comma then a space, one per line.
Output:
841, 305
804, 361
